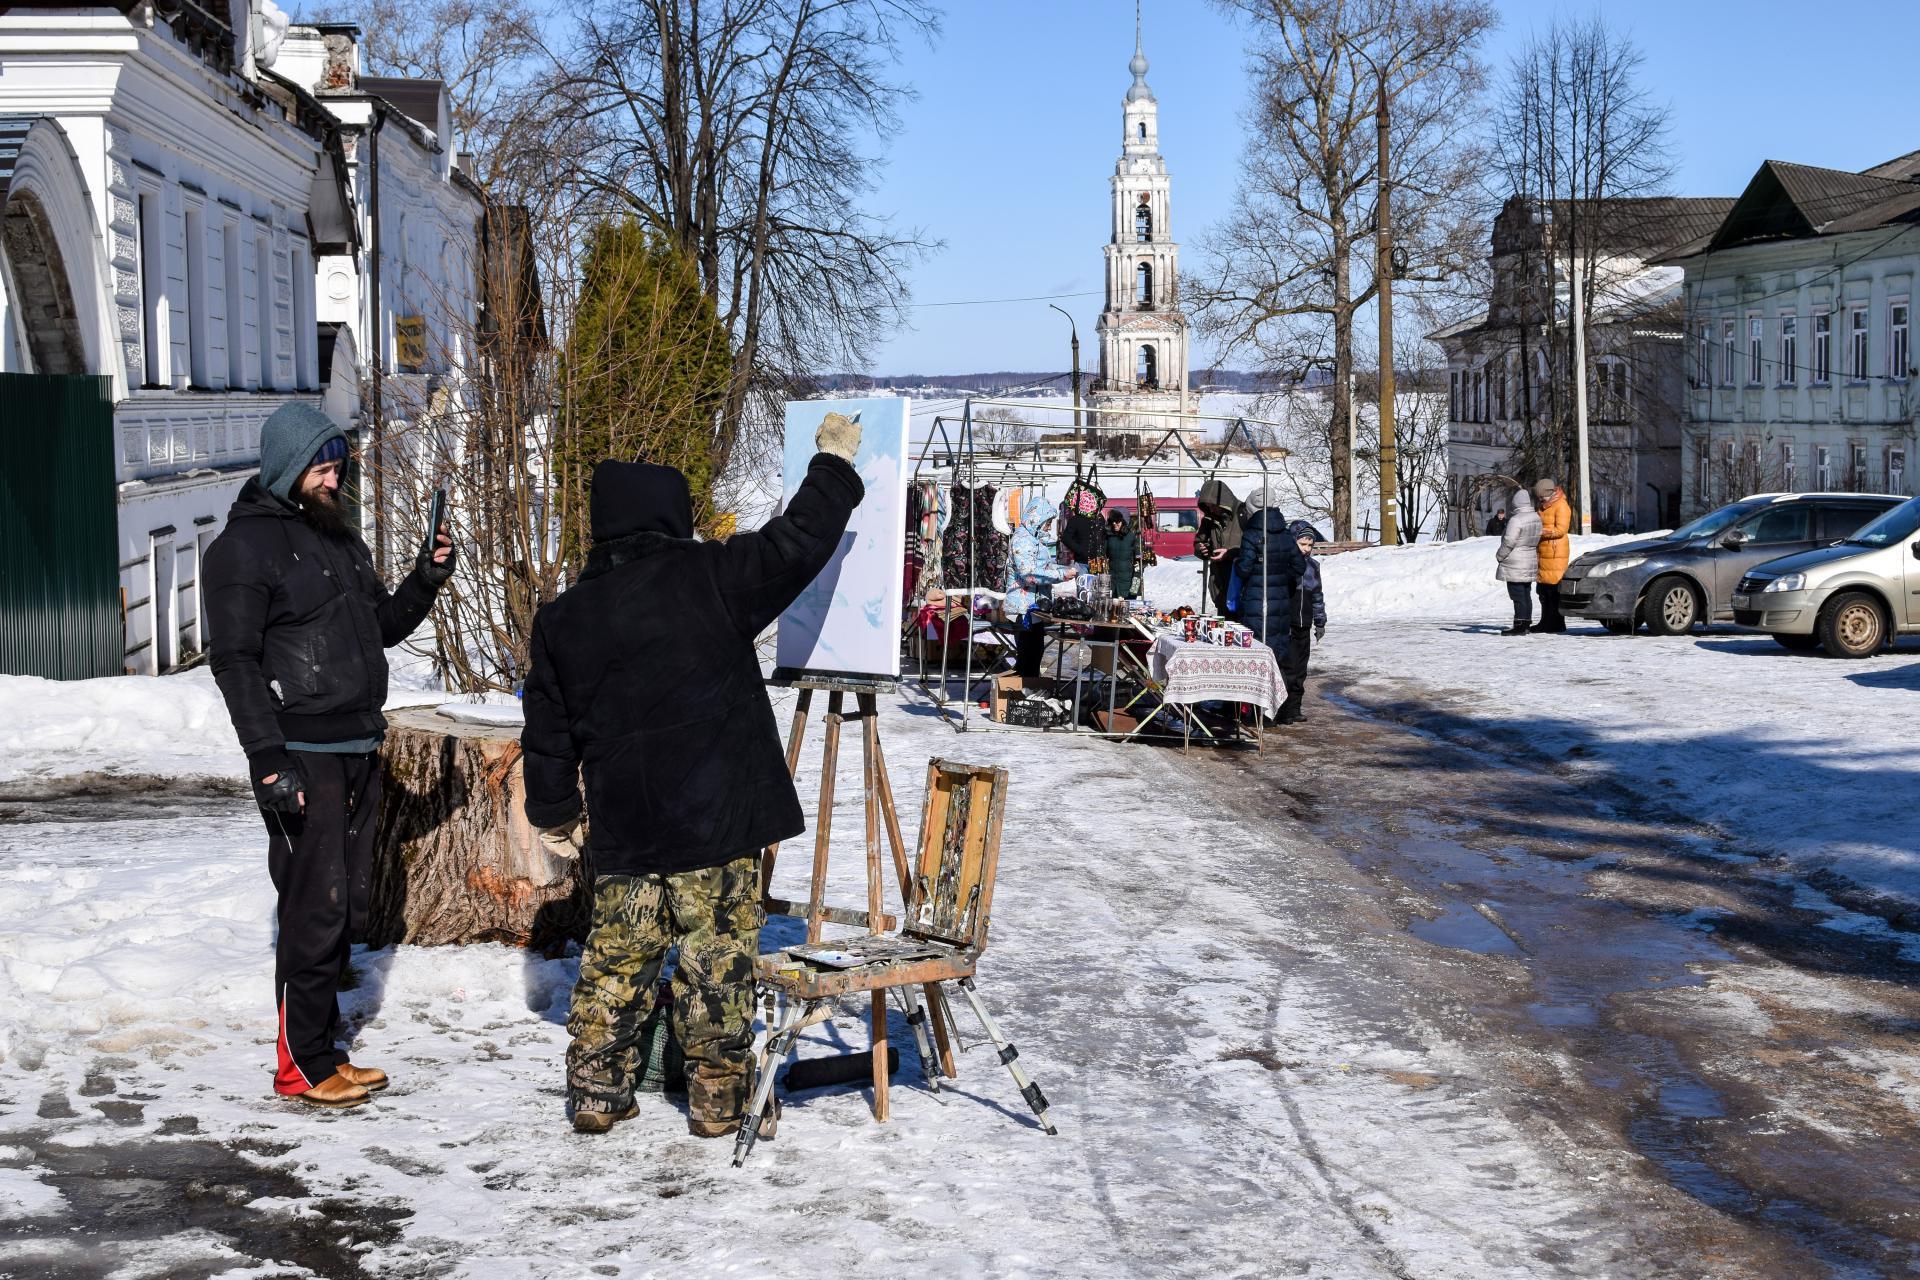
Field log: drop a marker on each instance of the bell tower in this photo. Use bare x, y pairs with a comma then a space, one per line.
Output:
1143, 333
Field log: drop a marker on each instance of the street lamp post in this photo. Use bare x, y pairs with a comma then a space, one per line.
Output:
1078, 439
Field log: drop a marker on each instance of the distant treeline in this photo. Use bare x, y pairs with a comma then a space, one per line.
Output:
1003, 382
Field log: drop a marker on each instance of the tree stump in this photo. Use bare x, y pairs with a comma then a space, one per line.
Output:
456, 860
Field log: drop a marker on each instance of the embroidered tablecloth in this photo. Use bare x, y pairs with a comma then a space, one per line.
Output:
1192, 673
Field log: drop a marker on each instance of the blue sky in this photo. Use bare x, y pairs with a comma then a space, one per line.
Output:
1006, 151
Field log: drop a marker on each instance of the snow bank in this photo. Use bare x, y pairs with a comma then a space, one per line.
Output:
1426, 580
170, 725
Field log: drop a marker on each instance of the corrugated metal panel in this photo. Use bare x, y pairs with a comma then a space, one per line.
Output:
59, 582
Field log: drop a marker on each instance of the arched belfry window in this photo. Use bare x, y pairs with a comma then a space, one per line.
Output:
1147, 369
1143, 223
1143, 131
1144, 279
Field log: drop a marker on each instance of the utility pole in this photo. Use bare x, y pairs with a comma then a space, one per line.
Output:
1580, 398
1079, 440
1383, 273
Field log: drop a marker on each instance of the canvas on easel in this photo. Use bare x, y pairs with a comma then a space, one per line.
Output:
847, 621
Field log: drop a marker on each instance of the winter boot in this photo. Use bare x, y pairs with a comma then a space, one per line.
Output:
372, 1079
1290, 712
1518, 628
335, 1091
601, 1121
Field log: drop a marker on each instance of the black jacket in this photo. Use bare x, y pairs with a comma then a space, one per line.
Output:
1122, 548
1270, 567
298, 623
645, 677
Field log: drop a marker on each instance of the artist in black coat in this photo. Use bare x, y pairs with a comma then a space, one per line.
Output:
645, 677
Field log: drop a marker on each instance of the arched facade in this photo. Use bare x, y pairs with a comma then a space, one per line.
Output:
53, 297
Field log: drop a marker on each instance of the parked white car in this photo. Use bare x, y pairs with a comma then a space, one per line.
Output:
1851, 598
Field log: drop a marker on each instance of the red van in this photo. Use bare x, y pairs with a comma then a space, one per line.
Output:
1177, 521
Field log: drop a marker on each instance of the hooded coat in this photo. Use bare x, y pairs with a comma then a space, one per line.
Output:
1122, 550
1555, 519
1033, 558
1309, 602
1269, 569
298, 621
1518, 559
1222, 533
645, 680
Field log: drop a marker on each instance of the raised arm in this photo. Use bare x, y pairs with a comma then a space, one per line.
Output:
762, 571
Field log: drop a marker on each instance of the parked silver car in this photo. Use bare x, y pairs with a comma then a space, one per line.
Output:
1674, 581
1850, 599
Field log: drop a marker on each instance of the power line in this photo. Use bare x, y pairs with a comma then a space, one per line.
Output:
994, 302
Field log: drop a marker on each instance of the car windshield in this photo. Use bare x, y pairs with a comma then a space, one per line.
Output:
1714, 521
1896, 525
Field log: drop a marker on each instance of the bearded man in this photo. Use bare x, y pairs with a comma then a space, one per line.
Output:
299, 622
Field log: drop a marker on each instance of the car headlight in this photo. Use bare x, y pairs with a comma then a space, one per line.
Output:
1619, 565
1787, 582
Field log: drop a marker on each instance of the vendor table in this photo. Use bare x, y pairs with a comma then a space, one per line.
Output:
1189, 672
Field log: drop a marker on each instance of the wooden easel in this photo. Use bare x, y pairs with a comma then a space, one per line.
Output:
878, 790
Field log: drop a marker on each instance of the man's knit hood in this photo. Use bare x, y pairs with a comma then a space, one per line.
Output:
289, 438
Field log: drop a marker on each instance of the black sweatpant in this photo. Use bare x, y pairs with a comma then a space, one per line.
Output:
321, 862
1293, 663
1029, 649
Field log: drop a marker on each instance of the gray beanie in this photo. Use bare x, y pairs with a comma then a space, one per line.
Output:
1545, 488
289, 439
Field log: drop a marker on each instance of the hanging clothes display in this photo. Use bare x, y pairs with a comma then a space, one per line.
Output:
973, 552
1148, 515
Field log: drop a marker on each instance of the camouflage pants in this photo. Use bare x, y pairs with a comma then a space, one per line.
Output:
714, 914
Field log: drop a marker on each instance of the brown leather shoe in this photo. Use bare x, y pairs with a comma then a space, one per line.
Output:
372, 1079
601, 1121
335, 1091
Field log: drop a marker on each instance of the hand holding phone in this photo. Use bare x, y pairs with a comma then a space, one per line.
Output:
435, 561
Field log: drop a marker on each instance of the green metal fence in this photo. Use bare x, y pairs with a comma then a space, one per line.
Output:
59, 561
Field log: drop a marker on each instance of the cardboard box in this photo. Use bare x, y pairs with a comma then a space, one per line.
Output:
1004, 686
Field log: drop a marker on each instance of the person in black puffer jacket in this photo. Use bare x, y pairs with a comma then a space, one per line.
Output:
298, 625
1267, 571
644, 677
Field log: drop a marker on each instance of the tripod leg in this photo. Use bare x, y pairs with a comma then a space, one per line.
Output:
946, 1032
780, 1043
1009, 1055
917, 1019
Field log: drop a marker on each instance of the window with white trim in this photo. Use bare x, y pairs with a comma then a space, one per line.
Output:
1727, 352
1703, 468
1453, 395
230, 302
1857, 344
153, 299
265, 289
1756, 350
1787, 473
1610, 390
1896, 471
1788, 374
196, 297
1703, 357
1822, 348
1897, 354
1726, 469
1857, 468
1823, 468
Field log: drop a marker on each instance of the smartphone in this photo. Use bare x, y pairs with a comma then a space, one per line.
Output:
435, 518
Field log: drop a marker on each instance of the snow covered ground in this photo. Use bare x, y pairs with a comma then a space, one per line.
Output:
1230, 1099
1801, 756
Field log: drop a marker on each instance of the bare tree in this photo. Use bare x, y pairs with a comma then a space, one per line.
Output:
1583, 143
1292, 259
734, 129
484, 51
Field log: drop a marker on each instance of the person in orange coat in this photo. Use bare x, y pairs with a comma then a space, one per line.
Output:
1555, 519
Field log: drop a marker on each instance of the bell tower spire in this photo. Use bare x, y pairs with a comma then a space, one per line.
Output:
1143, 333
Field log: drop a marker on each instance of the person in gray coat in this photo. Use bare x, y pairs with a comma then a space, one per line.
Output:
1517, 563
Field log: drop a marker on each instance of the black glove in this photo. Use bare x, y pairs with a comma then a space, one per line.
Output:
282, 794
436, 575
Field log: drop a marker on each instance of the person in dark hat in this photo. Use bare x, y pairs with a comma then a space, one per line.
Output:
645, 681
299, 622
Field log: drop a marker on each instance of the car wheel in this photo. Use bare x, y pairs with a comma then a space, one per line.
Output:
1619, 626
1672, 607
1853, 626
1799, 644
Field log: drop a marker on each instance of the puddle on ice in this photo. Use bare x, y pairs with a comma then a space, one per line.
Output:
1463, 928
1564, 1015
